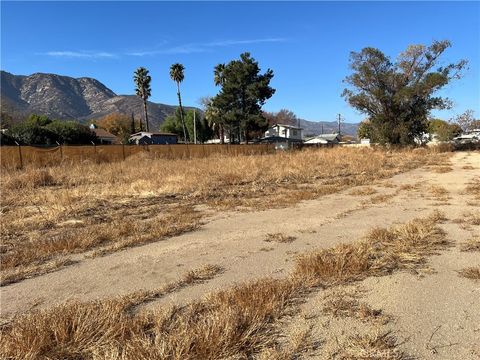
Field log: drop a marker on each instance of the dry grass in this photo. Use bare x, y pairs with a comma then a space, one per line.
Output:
363, 191
468, 167
380, 253
381, 198
236, 323
344, 304
470, 273
442, 169
438, 191
279, 238
50, 213
472, 244
473, 188
374, 346
468, 218
41, 254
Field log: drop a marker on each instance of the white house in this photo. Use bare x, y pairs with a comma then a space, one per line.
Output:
324, 139
285, 131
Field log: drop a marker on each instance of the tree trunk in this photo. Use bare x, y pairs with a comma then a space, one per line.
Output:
222, 135
181, 113
146, 114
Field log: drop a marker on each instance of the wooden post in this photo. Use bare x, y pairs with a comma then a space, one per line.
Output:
20, 155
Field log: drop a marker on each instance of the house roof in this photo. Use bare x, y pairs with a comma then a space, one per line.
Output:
104, 134
328, 137
150, 134
287, 126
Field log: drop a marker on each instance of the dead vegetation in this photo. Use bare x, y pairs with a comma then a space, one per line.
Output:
363, 191
442, 169
236, 323
472, 244
472, 272
374, 346
50, 213
380, 253
468, 218
279, 238
381, 198
473, 188
346, 304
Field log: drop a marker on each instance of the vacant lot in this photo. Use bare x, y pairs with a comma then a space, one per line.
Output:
340, 253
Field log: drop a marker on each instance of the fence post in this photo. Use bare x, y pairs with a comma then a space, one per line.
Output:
20, 154
61, 151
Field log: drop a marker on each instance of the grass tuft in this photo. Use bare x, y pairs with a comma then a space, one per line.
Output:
279, 238
470, 273
472, 244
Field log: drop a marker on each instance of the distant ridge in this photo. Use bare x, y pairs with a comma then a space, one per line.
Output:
64, 97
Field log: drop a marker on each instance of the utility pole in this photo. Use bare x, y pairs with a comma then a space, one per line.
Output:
339, 123
194, 128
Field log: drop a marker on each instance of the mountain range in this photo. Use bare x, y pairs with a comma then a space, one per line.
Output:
64, 97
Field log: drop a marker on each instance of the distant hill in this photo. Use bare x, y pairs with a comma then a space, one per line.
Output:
315, 127
64, 97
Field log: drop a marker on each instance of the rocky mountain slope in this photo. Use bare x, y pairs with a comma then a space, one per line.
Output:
64, 97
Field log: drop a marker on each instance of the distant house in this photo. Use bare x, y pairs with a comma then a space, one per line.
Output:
104, 136
149, 138
472, 136
324, 139
285, 131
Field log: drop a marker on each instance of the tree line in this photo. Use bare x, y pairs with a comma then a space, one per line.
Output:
397, 97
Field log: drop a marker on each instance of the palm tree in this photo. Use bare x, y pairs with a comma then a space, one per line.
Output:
218, 77
177, 75
142, 88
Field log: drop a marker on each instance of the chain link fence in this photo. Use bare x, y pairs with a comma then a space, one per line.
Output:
16, 157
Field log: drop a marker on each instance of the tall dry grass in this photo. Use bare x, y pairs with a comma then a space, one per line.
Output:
50, 213
238, 323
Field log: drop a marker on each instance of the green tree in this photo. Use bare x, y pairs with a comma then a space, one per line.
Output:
177, 75
366, 131
243, 92
172, 124
71, 132
142, 88
398, 96
203, 131
443, 130
41, 130
213, 118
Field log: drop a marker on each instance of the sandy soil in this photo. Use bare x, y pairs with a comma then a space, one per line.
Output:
439, 303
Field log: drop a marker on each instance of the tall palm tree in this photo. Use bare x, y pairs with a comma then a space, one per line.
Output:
142, 88
177, 75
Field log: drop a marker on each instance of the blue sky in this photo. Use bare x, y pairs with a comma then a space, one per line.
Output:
306, 44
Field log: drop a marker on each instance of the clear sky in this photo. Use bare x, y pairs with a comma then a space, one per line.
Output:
306, 44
